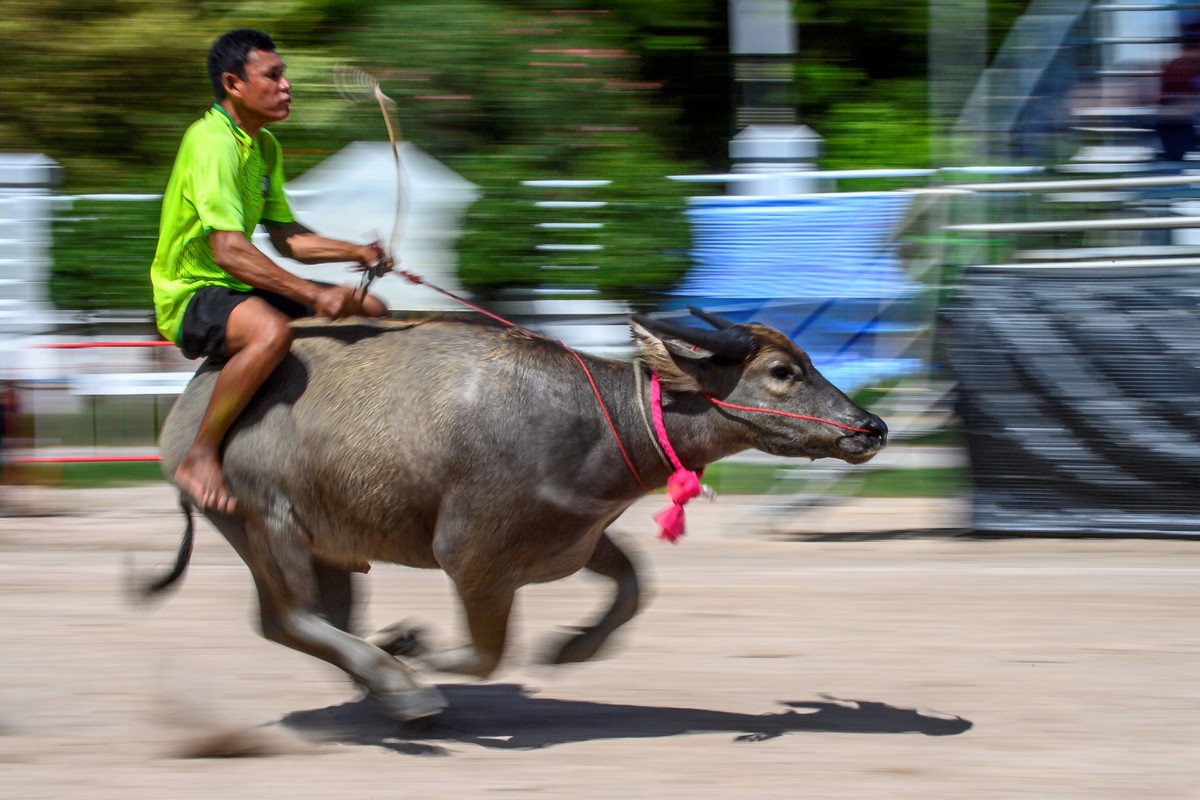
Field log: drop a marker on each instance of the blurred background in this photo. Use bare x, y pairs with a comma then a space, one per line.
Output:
978, 216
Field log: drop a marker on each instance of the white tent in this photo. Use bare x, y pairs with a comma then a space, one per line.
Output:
352, 196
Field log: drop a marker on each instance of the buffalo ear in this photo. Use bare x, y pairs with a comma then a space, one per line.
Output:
732, 343
676, 366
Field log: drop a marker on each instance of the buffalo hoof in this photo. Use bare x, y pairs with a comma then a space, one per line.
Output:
401, 639
578, 647
413, 704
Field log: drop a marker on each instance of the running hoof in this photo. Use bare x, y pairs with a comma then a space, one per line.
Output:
412, 705
401, 639
575, 648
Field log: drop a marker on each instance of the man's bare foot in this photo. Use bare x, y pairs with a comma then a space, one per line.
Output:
200, 476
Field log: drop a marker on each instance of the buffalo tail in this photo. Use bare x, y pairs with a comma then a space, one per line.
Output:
144, 591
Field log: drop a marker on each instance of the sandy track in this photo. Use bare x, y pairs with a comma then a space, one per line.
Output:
920, 666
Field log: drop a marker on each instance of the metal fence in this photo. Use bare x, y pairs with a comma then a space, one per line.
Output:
951, 227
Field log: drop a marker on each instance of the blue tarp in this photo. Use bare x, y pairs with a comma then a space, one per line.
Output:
821, 268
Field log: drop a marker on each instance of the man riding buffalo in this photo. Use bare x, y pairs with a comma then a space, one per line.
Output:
215, 293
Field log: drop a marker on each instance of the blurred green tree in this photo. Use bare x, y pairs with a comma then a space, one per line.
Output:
503, 90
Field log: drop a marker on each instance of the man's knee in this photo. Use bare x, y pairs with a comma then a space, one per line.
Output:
254, 324
373, 307
277, 336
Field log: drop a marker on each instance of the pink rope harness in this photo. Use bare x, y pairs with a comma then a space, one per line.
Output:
684, 484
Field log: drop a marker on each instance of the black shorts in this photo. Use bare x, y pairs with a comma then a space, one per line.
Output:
207, 314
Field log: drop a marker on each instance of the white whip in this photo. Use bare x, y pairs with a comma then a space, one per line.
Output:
356, 85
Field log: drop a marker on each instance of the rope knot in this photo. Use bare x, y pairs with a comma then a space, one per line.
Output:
682, 486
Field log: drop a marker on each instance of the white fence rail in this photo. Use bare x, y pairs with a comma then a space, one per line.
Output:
936, 187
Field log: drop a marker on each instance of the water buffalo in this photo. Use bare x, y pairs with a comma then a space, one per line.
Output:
483, 451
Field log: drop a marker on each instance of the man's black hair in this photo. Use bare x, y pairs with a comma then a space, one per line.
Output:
229, 54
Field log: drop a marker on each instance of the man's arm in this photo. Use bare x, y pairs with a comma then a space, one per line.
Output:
297, 242
241, 259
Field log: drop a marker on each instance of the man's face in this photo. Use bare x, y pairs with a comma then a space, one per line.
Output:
265, 94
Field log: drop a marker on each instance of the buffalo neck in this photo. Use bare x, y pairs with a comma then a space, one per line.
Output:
697, 431
693, 427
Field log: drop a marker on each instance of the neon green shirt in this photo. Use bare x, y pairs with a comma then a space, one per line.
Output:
222, 180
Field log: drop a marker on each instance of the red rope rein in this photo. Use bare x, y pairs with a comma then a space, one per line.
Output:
604, 410
412, 277
723, 404
416, 279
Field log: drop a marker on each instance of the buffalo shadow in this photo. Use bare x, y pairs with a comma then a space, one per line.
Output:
506, 716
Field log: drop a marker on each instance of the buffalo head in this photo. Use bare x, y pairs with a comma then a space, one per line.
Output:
760, 370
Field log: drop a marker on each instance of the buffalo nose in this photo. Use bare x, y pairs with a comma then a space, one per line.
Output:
876, 426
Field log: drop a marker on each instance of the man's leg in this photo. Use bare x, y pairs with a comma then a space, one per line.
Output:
372, 306
257, 339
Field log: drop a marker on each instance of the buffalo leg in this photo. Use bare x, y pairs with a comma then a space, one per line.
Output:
294, 596
402, 639
487, 610
612, 562
384, 678
335, 590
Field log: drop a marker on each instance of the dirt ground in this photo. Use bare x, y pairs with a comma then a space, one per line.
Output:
768, 663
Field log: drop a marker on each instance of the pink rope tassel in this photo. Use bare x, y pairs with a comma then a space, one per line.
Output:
683, 485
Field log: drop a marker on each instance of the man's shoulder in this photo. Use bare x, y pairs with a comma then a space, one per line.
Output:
210, 130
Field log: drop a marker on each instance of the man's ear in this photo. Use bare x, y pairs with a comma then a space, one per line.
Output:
232, 83
675, 364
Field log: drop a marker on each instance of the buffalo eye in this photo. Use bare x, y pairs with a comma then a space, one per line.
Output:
781, 373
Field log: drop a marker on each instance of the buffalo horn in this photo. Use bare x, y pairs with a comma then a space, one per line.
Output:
718, 322
734, 344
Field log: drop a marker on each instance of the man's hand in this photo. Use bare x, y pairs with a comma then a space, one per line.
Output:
372, 257
336, 302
